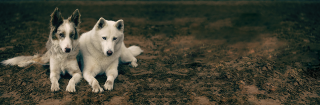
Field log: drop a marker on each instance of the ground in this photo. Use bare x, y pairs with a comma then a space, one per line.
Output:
206, 53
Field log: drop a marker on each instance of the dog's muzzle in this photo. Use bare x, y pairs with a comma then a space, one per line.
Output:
109, 53
67, 50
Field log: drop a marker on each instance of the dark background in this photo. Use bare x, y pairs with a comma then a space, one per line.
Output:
194, 52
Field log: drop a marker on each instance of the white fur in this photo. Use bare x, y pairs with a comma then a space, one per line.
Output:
93, 49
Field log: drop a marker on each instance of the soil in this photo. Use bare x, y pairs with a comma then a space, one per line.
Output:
258, 53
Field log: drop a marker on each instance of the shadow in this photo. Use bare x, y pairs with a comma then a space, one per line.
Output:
65, 76
313, 71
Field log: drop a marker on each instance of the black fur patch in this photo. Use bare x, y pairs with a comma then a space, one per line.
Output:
53, 34
75, 18
56, 18
75, 36
56, 21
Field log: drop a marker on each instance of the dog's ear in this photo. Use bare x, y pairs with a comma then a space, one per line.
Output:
75, 18
56, 18
119, 25
101, 23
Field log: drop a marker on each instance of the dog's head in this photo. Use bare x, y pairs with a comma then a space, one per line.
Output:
110, 34
65, 31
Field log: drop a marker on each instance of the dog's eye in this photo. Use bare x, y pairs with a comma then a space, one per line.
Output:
114, 38
71, 35
61, 35
104, 38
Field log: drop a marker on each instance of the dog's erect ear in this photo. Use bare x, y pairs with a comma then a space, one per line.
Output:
75, 18
101, 23
119, 24
56, 18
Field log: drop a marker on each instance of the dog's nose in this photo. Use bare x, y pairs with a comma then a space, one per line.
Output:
67, 50
109, 52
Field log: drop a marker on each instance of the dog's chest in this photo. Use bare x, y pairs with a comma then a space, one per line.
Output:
105, 62
61, 61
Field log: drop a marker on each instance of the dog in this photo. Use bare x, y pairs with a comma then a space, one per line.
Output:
62, 49
101, 49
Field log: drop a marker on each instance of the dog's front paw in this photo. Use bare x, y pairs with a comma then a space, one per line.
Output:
96, 88
133, 64
55, 87
108, 85
71, 88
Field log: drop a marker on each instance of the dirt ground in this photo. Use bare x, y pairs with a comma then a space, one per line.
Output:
258, 53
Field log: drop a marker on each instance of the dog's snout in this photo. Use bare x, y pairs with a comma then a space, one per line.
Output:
67, 50
109, 52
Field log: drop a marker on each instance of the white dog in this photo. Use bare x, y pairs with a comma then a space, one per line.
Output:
101, 49
62, 50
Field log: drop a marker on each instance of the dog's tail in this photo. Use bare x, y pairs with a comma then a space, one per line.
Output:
23, 61
135, 50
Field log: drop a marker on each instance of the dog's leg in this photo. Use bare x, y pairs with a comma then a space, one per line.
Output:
88, 74
54, 75
112, 73
127, 56
133, 62
74, 71
89, 77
